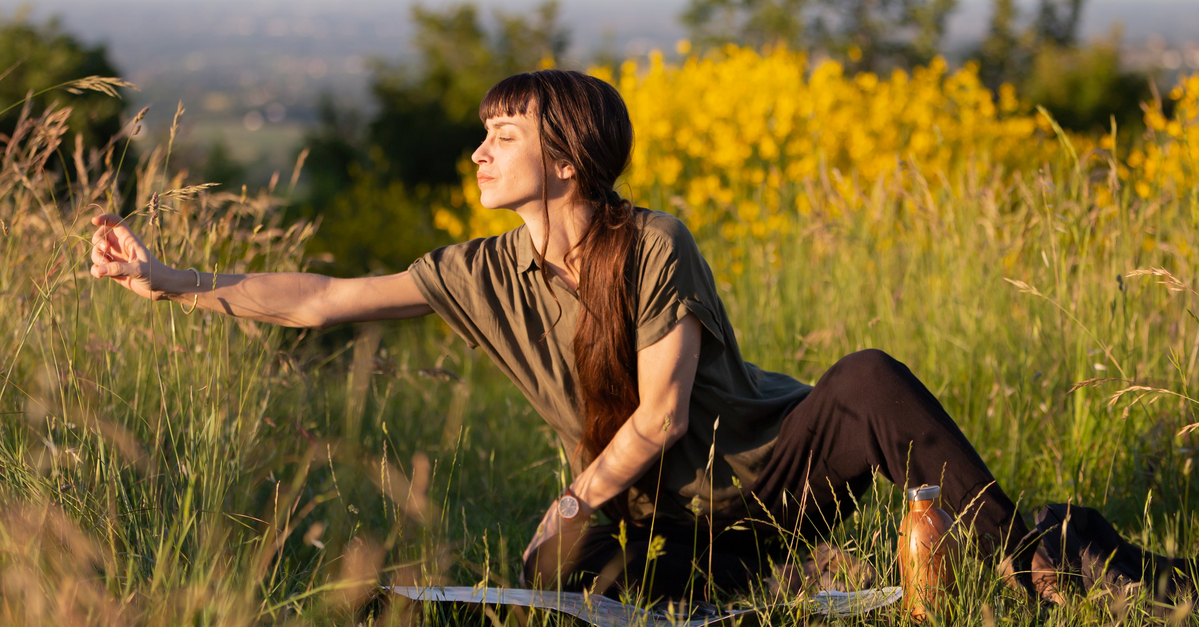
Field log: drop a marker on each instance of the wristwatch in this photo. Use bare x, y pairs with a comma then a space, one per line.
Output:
568, 504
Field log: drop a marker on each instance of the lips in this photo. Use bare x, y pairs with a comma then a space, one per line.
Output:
483, 178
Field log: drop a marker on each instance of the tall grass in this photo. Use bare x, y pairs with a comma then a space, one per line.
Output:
161, 468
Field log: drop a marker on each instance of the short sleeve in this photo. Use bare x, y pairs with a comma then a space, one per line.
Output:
674, 280
446, 279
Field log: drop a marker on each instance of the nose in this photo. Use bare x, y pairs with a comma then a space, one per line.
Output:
481, 155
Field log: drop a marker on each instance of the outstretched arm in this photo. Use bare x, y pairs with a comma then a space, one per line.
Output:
293, 299
665, 374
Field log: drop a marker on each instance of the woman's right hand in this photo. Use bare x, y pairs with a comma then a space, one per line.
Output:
118, 254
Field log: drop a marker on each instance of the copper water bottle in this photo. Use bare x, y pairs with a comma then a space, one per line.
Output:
927, 554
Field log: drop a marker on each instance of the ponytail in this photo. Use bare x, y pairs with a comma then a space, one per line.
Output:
604, 341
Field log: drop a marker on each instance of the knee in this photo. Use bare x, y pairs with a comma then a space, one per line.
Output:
871, 364
869, 376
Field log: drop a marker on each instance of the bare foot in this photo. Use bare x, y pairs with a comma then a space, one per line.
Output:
1042, 575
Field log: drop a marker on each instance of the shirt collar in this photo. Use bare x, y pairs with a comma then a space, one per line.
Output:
526, 257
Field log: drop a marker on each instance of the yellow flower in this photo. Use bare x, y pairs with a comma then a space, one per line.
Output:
1155, 120
748, 144
448, 222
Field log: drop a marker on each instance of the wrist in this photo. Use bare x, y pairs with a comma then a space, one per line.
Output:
172, 282
572, 506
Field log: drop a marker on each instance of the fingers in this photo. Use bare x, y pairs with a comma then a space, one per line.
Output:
110, 223
115, 269
100, 239
108, 219
102, 246
115, 224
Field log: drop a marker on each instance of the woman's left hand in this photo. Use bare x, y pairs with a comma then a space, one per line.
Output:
665, 373
551, 525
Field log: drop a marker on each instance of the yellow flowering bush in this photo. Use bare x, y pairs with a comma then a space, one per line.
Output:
731, 138
1169, 162
744, 144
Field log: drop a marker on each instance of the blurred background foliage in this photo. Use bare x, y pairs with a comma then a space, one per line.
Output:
409, 153
37, 57
869, 34
401, 160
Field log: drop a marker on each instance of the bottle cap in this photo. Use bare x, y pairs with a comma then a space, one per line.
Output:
924, 493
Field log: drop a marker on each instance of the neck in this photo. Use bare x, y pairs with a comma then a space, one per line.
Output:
567, 224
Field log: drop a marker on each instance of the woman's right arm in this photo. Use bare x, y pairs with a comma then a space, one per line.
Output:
292, 299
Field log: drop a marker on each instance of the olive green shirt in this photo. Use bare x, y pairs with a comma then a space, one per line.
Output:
491, 293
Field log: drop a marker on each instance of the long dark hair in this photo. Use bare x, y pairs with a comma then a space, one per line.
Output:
583, 121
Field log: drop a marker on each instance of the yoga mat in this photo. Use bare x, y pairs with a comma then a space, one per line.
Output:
604, 612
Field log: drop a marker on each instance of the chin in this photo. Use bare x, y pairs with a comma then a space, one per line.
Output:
487, 201
491, 200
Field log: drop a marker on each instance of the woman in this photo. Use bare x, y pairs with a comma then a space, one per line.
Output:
608, 320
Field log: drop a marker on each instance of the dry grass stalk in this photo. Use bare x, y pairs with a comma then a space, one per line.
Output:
106, 85
188, 192
1167, 278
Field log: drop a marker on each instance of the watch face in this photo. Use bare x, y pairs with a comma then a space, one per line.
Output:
568, 507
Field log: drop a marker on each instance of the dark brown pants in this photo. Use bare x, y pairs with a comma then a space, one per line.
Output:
867, 413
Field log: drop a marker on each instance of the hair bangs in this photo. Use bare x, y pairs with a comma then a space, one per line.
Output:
515, 95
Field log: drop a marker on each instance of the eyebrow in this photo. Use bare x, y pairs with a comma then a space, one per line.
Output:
494, 125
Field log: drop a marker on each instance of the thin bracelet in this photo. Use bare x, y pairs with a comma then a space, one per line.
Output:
195, 299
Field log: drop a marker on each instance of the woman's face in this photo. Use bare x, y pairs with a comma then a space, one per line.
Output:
510, 170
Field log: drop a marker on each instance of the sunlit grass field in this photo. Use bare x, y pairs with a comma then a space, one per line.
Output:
158, 468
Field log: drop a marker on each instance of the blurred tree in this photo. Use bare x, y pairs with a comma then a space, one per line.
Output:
522, 45
427, 121
754, 23
928, 19
334, 145
868, 34
34, 57
377, 226
1008, 52
457, 61
1057, 22
1082, 86
405, 163
999, 55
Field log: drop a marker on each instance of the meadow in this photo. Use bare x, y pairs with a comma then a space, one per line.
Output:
163, 468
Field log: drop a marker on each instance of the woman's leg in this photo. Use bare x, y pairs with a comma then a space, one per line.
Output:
689, 562
867, 413
870, 412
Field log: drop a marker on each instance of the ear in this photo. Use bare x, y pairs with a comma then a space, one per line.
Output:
564, 170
